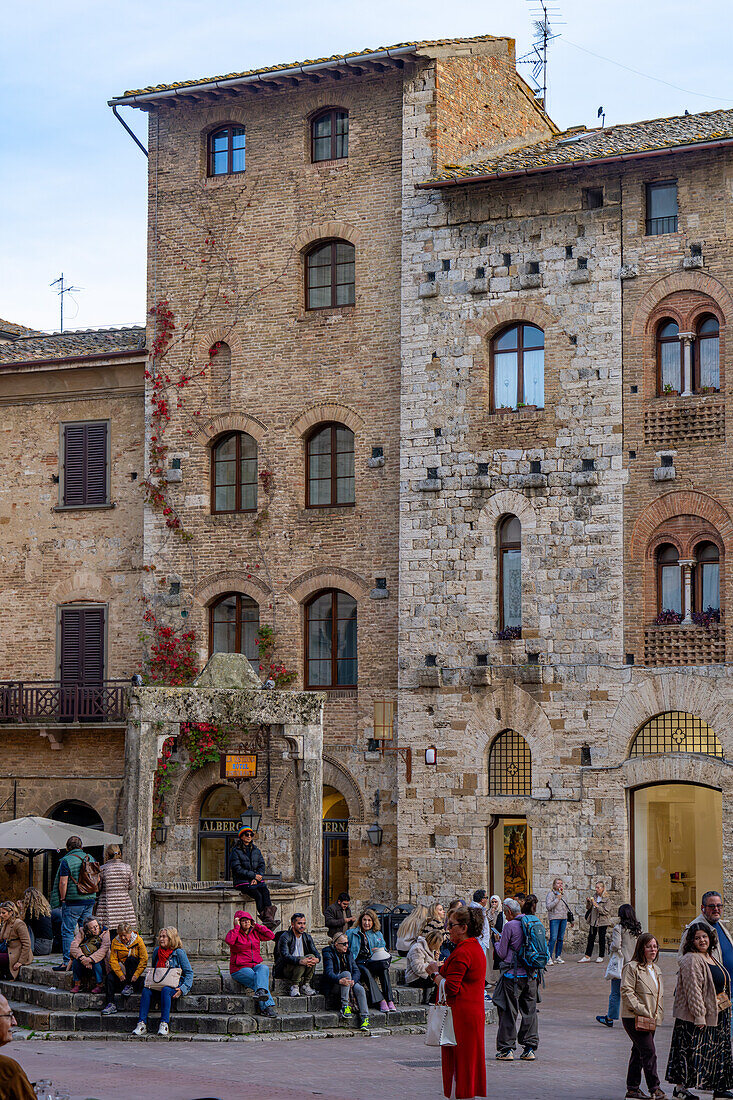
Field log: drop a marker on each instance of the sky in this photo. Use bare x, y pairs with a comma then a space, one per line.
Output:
73, 183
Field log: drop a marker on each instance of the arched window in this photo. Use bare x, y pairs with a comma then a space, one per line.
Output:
675, 731
219, 822
234, 620
226, 151
707, 577
669, 579
330, 466
510, 574
330, 640
330, 135
329, 275
669, 357
707, 358
234, 473
510, 765
518, 364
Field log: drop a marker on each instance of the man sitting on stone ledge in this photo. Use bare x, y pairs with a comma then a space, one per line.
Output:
246, 867
296, 956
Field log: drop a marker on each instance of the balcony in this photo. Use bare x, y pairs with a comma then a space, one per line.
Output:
51, 702
665, 646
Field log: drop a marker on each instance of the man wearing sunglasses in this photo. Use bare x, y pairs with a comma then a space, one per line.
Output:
14, 1085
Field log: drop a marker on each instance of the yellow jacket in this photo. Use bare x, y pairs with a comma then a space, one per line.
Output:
119, 951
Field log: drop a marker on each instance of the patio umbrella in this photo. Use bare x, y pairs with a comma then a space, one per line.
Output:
32, 835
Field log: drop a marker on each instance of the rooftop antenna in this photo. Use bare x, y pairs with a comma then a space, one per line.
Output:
61, 291
545, 19
602, 116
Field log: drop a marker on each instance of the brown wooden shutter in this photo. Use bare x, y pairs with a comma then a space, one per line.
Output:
82, 645
85, 464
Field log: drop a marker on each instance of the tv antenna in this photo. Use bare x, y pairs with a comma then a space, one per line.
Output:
63, 289
545, 19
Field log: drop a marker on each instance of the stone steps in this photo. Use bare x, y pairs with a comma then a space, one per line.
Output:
216, 1008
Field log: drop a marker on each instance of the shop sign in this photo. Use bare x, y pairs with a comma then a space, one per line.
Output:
238, 766
210, 826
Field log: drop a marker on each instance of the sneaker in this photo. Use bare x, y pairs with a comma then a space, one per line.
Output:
364, 1025
127, 991
605, 1021
559, 959
98, 989
346, 1013
636, 1094
527, 1055
685, 1094
164, 1030
270, 1011
391, 1006
110, 1010
141, 1029
585, 959
61, 966
505, 1056
660, 1094
76, 988
549, 962
600, 959
308, 990
383, 1006
294, 991
262, 994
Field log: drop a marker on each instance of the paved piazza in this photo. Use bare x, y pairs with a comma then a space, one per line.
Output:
577, 1060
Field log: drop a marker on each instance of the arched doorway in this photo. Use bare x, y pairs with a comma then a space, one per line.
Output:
335, 845
219, 822
72, 812
677, 854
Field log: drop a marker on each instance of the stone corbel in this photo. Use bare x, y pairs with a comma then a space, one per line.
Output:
55, 737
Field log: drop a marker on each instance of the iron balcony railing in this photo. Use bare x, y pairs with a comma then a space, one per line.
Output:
62, 701
656, 226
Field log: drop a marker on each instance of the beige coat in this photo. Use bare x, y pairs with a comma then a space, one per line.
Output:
694, 996
600, 917
114, 905
19, 945
639, 996
418, 958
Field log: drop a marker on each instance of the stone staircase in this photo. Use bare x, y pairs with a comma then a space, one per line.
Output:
215, 1009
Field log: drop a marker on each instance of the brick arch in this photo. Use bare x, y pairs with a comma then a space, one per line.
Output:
224, 334
194, 787
334, 775
83, 585
656, 693
514, 312
520, 712
671, 505
324, 101
661, 539
321, 231
307, 584
326, 411
216, 116
509, 502
231, 422
230, 580
680, 281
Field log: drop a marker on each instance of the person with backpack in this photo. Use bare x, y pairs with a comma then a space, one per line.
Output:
523, 956
75, 889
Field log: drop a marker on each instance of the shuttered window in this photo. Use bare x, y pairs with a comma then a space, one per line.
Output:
85, 464
82, 645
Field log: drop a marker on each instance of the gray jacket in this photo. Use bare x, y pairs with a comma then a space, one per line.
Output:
556, 906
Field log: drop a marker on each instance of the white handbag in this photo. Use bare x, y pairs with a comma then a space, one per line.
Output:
615, 965
440, 1031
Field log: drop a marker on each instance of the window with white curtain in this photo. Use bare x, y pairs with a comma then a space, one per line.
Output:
708, 355
669, 357
518, 363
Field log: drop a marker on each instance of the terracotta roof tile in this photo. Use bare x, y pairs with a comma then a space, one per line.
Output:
94, 343
584, 146
11, 329
273, 70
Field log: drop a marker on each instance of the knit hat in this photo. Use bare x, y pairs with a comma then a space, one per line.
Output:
245, 829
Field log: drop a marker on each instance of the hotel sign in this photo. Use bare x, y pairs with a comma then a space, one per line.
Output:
238, 766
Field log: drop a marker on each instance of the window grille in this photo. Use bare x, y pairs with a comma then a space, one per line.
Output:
510, 765
675, 731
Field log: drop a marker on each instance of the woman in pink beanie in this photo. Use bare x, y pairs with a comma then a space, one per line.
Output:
245, 959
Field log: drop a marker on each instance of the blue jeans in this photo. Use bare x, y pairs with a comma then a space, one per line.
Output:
614, 999
72, 913
257, 978
166, 998
80, 970
557, 936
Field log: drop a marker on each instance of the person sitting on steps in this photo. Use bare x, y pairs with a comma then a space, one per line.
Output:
296, 957
247, 868
341, 975
368, 948
167, 956
245, 959
128, 957
89, 953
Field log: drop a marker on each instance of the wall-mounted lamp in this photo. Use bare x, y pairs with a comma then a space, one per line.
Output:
375, 834
161, 834
431, 755
251, 819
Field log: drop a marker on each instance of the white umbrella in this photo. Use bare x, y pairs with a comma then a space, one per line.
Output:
33, 835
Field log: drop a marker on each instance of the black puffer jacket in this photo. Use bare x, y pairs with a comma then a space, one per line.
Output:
245, 863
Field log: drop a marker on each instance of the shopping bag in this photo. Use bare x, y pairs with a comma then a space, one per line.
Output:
440, 1031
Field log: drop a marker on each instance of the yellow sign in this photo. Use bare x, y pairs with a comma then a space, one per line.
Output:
238, 766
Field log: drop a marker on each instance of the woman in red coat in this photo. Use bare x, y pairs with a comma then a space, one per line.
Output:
464, 971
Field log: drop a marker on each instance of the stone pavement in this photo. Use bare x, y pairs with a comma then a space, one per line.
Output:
577, 1060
